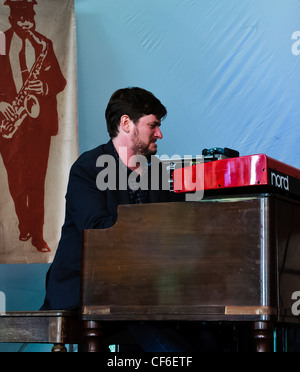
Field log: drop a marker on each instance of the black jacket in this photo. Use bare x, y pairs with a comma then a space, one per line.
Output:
86, 208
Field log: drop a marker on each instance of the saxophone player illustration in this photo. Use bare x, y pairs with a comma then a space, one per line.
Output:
30, 79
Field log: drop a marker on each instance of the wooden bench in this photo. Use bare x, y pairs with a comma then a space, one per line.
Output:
50, 327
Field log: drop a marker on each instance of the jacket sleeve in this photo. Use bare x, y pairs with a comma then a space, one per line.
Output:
51, 73
89, 207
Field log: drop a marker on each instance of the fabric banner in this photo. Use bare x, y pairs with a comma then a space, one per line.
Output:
38, 125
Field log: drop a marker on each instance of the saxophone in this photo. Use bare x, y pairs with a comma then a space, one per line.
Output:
26, 104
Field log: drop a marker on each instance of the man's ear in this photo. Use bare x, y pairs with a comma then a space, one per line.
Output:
125, 123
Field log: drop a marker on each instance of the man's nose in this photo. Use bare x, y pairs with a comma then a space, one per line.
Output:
158, 133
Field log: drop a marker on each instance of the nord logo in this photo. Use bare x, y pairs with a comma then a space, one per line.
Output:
280, 181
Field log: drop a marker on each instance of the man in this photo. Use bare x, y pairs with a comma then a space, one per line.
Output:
30, 79
133, 117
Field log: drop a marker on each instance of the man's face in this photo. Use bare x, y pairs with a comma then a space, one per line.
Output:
22, 19
145, 134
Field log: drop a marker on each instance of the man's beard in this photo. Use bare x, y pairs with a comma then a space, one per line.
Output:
139, 147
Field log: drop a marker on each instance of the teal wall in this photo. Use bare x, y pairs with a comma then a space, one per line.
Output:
227, 70
24, 287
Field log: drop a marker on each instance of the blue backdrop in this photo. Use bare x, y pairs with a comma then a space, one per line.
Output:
227, 70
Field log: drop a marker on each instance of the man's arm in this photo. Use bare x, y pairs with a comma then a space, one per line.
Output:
89, 207
51, 80
52, 74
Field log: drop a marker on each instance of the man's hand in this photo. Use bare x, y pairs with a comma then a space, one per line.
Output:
8, 111
37, 87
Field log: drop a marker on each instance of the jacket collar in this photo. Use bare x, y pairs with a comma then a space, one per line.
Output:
154, 195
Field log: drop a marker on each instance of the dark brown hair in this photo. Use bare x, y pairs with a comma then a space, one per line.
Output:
134, 102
